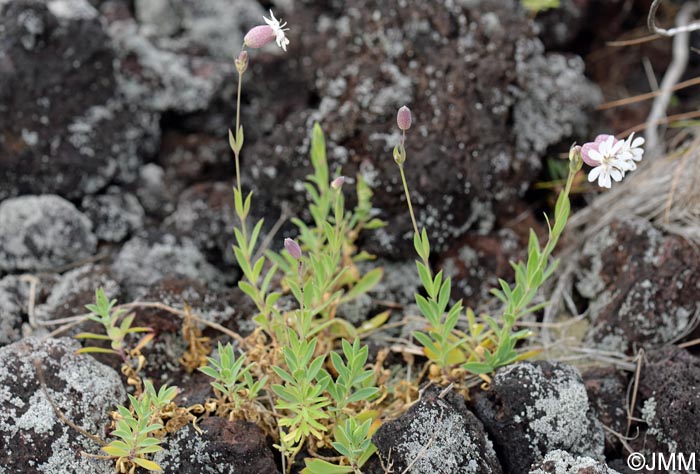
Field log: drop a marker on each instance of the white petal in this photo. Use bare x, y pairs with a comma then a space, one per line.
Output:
595, 155
605, 178
594, 173
616, 174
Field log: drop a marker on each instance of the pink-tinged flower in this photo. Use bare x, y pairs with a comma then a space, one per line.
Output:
293, 248
259, 36
403, 118
608, 162
587, 147
338, 182
279, 30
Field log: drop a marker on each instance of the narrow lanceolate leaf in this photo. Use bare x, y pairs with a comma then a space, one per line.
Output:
366, 283
146, 464
101, 350
319, 466
477, 368
115, 451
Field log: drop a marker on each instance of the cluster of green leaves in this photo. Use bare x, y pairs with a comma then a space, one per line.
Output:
301, 395
330, 245
439, 342
496, 340
135, 428
352, 440
232, 380
312, 401
103, 312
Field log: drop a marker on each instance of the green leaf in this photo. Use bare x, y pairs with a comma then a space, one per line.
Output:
366, 283
115, 451
101, 350
319, 466
146, 464
477, 367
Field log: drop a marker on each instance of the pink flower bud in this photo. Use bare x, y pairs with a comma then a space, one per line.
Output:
259, 36
293, 248
338, 182
403, 118
242, 62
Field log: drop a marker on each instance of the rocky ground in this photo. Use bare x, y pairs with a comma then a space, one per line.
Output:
115, 172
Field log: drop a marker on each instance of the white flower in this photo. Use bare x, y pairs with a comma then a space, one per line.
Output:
611, 164
279, 29
632, 151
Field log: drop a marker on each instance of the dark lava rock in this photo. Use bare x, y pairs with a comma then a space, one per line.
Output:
42, 233
64, 127
14, 297
32, 437
607, 391
144, 261
441, 435
641, 285
205, 214
670, 388
534, 408
115, 215
561, 462
195, 157
226, 307
225, 447
75, 289
487, 102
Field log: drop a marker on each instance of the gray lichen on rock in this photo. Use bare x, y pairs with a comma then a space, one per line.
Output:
561, 462
42, 233
31, 433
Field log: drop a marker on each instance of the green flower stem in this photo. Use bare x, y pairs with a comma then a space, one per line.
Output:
238, 124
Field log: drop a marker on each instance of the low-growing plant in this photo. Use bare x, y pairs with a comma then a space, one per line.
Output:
117, 325
136, 428
233, 381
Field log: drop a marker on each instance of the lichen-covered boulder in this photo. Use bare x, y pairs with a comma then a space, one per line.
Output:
670, 389
224, 447
641, 285
437, 435
213, 26
115, 214
143, 261
531, 409
561, 462
42, 233
32, 437
65, 128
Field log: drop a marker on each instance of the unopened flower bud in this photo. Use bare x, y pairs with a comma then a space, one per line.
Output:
242, 62
575, 161
259, 36
293, 248
403, 118
338, 182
